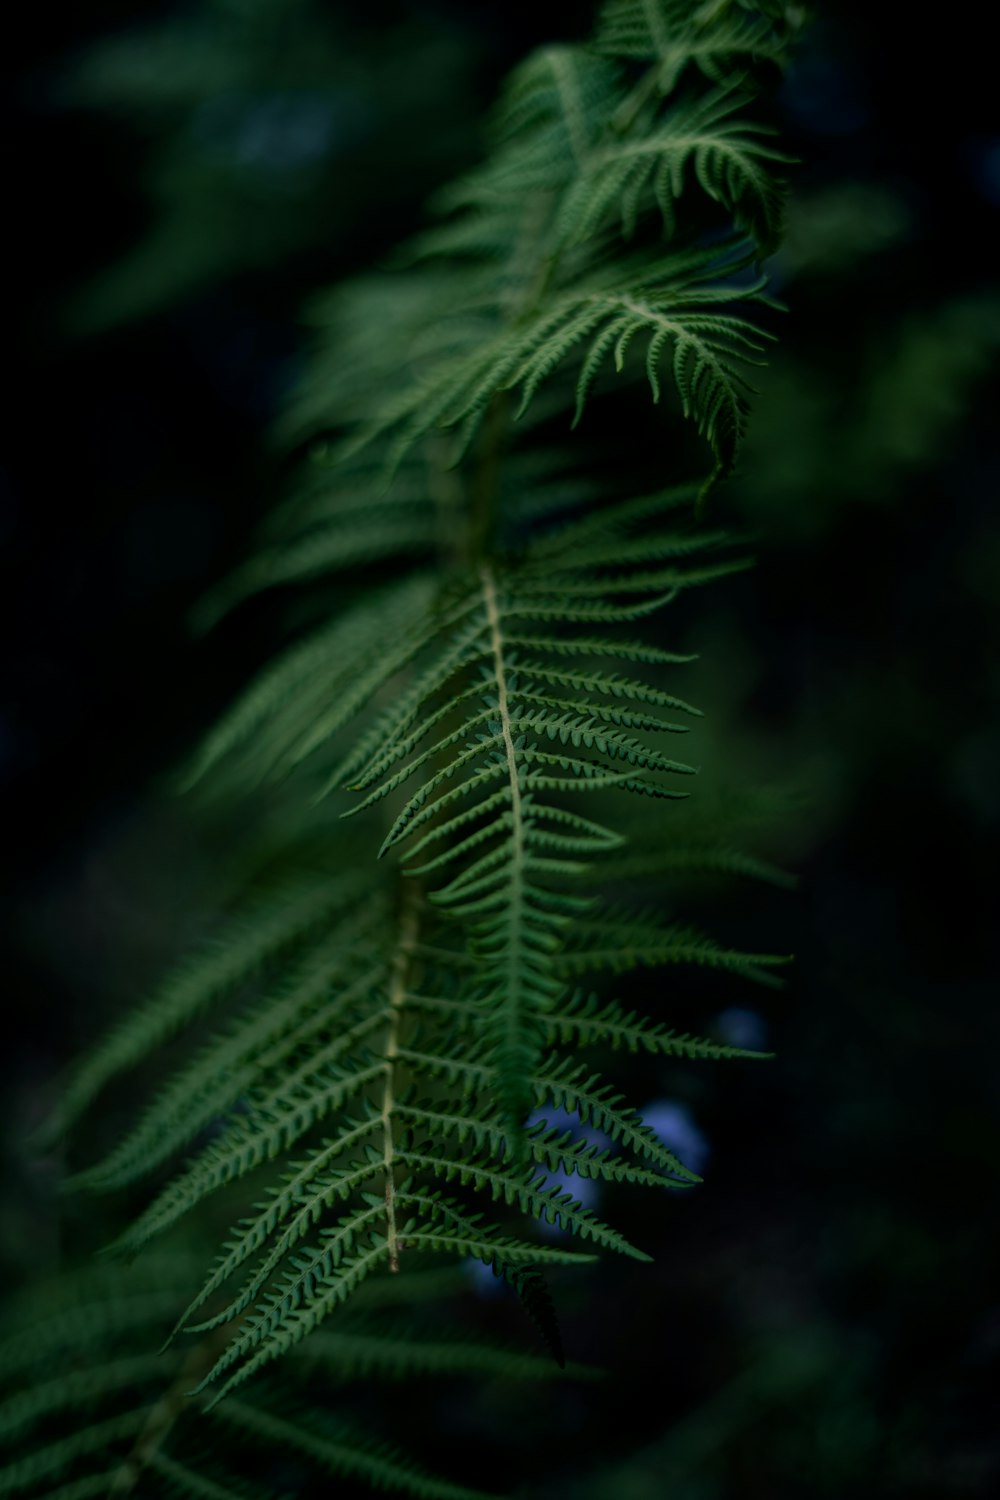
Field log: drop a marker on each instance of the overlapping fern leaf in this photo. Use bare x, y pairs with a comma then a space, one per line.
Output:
90, 1407
359, 1089
397, 1056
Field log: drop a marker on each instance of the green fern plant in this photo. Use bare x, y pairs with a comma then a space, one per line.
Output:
389, 1037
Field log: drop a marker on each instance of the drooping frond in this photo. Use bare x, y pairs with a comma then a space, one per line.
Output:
340, 1066
381, 1062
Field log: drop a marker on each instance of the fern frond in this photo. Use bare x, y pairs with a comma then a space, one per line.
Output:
254, 1052
192, 1483
533, 1293
708, 859
353, 1202
509, 854
395, 1353
343, 520
267, 930
97, 1317
380, 1069
552, 1085
318, 684
527, 272
546, 1205
43, 1464
716, 39
617, 943
682, 304
325, 1276
107, 1417
341, 1452
588, 1020
73, 1389
549, 119
567, 1086
709, 137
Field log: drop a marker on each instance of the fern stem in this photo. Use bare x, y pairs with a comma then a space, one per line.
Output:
514, 954
398, 985
165, 1413
503, 709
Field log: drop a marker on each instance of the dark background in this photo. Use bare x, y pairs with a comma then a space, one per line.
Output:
823, 1317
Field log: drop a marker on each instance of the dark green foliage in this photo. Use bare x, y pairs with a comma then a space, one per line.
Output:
263, 123
383, 1038
90, 1408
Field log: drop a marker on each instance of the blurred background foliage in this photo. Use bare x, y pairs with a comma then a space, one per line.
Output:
822, 1317
268, 125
